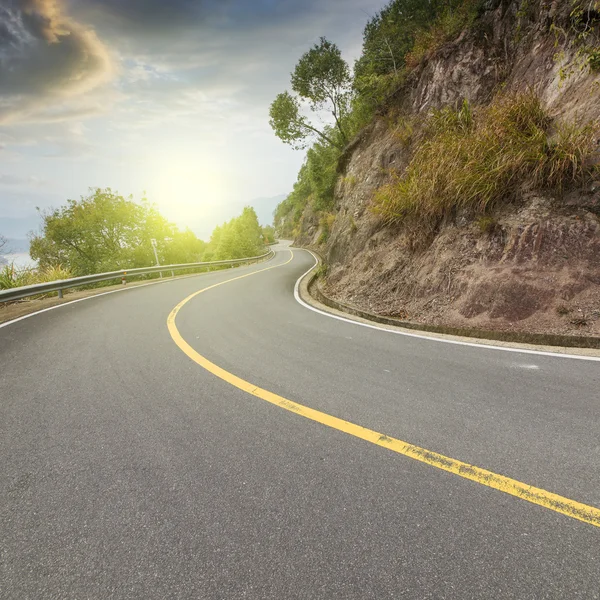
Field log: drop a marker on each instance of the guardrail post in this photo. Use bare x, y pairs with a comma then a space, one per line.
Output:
124, 278
60, 293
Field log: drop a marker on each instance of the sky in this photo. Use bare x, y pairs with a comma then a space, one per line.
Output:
170, 98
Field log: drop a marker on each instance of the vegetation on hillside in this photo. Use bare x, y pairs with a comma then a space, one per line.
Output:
321, 81
584, 32
461, 157
475, 158
394, 40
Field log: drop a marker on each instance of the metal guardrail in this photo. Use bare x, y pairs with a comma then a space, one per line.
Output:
63, 284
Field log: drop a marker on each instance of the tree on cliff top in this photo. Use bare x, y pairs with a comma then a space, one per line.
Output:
321, 79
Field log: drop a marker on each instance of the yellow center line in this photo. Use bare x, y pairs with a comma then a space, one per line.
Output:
549, 500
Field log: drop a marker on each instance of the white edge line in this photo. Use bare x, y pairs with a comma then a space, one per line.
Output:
431, 338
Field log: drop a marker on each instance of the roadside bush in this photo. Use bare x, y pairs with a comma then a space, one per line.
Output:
11, 277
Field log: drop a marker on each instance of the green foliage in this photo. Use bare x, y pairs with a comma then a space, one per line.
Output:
397, 39
449, 23
350, 181
182, 247
322, 76
475, 159
326, 224
321, 271
105, 231
11, 277
315, 186
353, 226
321, 79
404, 130
583, 33
390, 34
241, 237
268, 234
487, 224
321, 163
288, 124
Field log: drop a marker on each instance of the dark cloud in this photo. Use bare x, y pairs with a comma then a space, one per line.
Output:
43, 54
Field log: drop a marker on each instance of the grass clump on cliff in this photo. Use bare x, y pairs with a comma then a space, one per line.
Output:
476, 158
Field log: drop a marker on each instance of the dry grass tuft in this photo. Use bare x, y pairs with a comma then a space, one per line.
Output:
476, 159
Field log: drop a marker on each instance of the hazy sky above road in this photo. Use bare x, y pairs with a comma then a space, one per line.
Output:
170, 97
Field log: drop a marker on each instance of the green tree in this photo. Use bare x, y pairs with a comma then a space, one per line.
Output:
321, 79
105, 231
182, 247
268, 233
240, 237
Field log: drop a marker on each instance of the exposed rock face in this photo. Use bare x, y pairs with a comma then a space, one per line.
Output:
537, 266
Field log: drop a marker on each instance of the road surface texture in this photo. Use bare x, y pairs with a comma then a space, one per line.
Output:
130, 471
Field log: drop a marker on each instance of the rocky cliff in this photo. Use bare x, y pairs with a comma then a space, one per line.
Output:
534, 263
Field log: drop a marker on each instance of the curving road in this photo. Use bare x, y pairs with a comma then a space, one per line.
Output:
128, 470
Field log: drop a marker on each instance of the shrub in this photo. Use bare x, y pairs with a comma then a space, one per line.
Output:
353, 226
475, 159
487, 224
11, 277
321, 271
448, 25
404, 130
326, 223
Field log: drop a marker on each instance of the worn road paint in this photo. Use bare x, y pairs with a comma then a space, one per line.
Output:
560, 504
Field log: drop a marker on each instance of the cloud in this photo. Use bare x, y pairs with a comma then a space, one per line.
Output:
118, 92
17, 180
46, 59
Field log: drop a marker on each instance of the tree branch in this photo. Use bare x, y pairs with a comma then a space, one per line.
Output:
320, 134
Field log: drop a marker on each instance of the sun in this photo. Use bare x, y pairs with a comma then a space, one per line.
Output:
184, 191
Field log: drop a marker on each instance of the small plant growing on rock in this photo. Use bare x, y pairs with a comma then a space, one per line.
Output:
349, 180
321, 271
487, 224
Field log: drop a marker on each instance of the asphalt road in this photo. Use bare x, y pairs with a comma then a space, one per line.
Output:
129, 471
